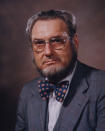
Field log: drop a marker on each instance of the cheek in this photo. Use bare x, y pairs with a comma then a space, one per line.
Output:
38, 60
66, 56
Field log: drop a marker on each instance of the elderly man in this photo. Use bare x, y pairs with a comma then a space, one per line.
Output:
69, 95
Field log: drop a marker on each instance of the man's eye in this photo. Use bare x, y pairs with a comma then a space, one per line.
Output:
39, 42
57, 40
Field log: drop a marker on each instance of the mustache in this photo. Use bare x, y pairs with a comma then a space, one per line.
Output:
50, 59
47, 59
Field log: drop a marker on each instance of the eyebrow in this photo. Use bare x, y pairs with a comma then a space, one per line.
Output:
58, 36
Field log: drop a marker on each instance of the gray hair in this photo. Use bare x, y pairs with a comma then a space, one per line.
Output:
68, 18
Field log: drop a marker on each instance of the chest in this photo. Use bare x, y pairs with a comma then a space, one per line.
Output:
73, 117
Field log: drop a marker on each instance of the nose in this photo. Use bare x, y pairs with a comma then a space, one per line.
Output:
48, 50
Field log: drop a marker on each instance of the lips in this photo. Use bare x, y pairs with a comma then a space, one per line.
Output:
49, 62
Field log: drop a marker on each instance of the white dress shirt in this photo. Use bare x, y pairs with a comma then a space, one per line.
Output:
54, 106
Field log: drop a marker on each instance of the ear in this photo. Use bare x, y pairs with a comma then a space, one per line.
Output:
76, 42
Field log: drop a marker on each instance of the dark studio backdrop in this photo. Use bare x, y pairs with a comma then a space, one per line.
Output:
16, 66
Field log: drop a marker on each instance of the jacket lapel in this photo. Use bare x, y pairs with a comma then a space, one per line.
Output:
74, 103
37, 110
44, 115
74, 110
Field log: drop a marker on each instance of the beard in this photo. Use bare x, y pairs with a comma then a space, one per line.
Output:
56, 73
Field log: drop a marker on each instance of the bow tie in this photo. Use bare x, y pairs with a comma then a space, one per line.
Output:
46, 88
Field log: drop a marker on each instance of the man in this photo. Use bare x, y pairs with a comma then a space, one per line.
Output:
69, 95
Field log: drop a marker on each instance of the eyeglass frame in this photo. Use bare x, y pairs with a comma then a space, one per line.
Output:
49, 42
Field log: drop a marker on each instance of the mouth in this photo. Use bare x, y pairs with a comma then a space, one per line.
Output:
49, 62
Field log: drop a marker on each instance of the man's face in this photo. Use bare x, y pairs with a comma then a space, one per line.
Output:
51, 61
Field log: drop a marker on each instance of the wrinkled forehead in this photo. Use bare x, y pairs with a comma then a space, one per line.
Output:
48, 28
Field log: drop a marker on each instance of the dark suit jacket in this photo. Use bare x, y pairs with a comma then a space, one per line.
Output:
82, 110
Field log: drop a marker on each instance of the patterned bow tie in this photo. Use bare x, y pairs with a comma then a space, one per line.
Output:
46, 88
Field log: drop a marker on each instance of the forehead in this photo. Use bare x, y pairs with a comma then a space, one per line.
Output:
48, 28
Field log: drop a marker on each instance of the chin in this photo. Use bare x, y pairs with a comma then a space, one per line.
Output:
52, 70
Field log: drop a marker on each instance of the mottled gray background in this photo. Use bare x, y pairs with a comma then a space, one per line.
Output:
16, 65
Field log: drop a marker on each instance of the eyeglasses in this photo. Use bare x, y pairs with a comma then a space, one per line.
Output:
57, 43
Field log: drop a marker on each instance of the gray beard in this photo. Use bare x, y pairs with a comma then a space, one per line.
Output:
60, 73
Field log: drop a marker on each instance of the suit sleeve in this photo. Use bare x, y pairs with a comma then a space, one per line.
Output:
101, 111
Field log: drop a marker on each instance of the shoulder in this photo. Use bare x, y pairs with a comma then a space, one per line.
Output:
95, 79
30, 89
91, 72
